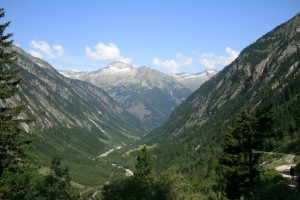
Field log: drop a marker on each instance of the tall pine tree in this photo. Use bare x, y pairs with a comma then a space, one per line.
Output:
144, 170
14, 173
11, 153
240, 158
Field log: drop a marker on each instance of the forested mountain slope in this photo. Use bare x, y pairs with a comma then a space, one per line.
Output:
70, 115
265, 75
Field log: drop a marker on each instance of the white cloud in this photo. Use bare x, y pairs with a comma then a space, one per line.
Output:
43, 49
211, 61
174, 64
35, 54
106, 52
59, 50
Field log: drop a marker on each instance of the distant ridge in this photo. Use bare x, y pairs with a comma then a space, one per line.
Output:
194, 81
146, 93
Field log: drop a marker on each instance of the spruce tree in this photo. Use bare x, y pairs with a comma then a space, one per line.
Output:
11, 153
144, 168
14, 166
240, 160
144, 175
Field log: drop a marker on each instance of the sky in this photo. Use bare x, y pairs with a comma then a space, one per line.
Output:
171, 36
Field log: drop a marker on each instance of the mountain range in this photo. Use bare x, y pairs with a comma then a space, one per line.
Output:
144, 92
71, 115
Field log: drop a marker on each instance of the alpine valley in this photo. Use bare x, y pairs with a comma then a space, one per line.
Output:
146, 93
73, 119
77, 120
98, 121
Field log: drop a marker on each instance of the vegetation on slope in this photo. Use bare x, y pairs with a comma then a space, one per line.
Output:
266, 76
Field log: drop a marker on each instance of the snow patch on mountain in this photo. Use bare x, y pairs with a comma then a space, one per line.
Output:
119, 68
193, 81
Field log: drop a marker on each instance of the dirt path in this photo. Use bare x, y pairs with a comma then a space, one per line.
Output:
285, 171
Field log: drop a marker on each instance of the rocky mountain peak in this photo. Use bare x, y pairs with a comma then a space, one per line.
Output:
146, 93
118, 67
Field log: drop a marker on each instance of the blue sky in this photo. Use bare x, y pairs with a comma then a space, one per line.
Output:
170, 36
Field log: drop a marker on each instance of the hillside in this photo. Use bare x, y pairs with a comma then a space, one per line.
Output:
72, 117
265, 75
147, 94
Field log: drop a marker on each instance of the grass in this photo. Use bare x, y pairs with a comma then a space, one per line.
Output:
77, 185
130, 151
85, 172
103, 141
271, 160
43, 170
85, 168
132, 137
88, 172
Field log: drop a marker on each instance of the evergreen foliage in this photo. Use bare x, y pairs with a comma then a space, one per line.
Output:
143, 185
240, 158
265, 75
18, 184
146, 185
10, 148
144, 168
56, 185
15, 167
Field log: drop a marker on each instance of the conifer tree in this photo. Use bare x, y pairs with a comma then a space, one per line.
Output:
142, 185
144, 168
240, 159
144, 175
11, 153
14, 166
